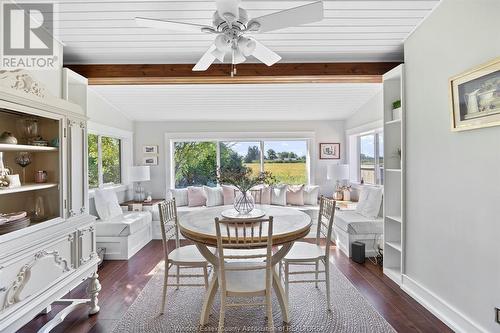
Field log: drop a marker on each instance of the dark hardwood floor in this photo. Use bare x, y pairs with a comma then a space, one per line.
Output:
122, 281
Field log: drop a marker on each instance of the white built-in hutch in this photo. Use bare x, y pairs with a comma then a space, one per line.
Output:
57, 251
394, 175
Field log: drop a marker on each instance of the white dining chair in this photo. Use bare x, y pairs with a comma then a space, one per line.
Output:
180, 256
303, 253
245, 274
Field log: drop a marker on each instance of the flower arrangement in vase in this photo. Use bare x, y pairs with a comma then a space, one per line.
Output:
243, 179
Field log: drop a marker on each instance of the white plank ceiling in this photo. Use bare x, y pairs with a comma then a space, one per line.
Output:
104, 31
238, 102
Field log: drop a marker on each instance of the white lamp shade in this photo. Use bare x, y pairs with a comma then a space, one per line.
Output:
139, 174
338, 172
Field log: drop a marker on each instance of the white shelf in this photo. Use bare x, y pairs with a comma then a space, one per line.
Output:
396, 121
394, 189
394, 273
8, 147
395, 245
398, 219
27, 187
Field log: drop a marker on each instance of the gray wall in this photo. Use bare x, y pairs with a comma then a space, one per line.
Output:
453, 179
153, 133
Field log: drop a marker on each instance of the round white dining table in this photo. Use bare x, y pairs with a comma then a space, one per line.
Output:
289, 225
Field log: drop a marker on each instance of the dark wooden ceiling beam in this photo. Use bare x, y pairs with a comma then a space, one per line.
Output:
126, 74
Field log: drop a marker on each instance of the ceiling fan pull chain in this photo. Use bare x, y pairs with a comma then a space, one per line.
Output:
232, 62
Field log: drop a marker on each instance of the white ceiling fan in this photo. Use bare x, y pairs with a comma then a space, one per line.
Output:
231, 25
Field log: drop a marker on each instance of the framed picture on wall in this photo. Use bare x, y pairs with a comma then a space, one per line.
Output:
150, 160
475, 97
150, 149
329, 151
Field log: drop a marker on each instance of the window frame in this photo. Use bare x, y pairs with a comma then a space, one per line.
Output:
126, 154
376, 168
100, 174
261, 137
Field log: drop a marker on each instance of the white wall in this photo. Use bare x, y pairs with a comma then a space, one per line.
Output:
370, 112
106, 119
52, 79
99, 110
453, 179
367, 118
154, 133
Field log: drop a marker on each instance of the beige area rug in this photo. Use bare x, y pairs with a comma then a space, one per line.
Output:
351, 312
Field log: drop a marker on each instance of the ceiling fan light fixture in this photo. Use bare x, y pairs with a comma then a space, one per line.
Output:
246, 46
238, 57
223, 43
230, 23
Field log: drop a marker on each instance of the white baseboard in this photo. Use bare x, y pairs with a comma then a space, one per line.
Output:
456, 320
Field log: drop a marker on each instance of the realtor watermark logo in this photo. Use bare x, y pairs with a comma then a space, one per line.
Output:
27, 33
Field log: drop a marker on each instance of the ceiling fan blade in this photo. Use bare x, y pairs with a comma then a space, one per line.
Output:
265, 54
206, 59
169, 25
228, 7
292, 17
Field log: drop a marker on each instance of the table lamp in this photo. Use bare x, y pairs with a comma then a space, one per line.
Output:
139, 174
340, 174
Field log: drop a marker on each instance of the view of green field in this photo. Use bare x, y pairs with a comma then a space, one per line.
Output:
289, 173
196, 161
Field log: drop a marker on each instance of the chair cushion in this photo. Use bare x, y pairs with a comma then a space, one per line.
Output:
123, 225
245, 281
305, 251
106, 204
187, 254
354, 223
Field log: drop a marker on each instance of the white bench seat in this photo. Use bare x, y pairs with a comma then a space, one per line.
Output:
124, 225
355, 223
124, 235
350, 226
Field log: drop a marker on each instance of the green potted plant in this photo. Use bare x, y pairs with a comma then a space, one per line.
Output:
396, 110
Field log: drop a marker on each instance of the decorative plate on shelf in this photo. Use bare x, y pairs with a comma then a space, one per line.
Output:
233, 214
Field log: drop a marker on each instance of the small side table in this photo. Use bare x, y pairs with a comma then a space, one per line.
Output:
146, 206
346, 205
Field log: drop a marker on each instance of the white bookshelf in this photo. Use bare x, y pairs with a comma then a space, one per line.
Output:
394, 171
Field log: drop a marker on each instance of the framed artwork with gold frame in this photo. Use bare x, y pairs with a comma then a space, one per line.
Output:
475, 97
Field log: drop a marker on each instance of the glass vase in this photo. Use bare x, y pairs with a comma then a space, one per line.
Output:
244, 202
